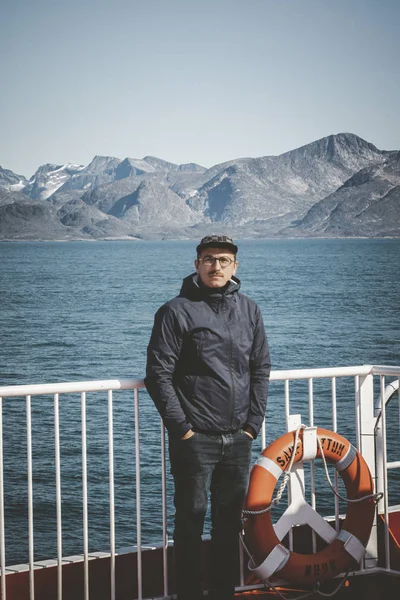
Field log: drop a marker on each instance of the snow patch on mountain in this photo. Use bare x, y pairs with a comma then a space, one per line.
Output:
48, 179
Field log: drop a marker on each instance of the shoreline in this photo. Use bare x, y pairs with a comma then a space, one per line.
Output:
186, 239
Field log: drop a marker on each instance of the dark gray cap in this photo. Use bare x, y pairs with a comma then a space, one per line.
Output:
217, 241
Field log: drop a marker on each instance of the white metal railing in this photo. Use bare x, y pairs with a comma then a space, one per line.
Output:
58, 389
369, 426
386, 394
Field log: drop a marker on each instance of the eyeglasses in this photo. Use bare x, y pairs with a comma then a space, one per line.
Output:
210, 261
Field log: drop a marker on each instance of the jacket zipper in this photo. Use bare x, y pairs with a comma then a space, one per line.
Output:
224, 301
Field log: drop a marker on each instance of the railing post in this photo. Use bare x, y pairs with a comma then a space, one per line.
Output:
111, 491
365, 436
2, 533
138, 499
57, 462
85, 500
30, 496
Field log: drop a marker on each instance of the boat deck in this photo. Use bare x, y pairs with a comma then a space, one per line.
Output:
371, 587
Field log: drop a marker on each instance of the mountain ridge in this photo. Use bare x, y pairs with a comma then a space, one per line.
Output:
337, 185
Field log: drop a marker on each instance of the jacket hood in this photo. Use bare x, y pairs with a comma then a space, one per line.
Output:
193, 288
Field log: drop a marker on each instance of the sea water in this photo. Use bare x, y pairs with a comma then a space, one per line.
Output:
84, 310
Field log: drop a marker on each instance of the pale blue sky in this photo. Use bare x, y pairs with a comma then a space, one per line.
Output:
193, 81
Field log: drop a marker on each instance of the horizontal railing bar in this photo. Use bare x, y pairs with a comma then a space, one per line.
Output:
79, 558
393, 465
375, 571
389, 370
320, 373
129, 384
73, 386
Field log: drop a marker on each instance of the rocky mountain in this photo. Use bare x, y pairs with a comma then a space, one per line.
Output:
162, 165
29, 221
8, 196
265, 188
10, 181
338, 185
367, 204
43, 221
139, 208
48, 179
101, 170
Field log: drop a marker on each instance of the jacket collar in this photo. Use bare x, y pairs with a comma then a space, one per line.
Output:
193, 288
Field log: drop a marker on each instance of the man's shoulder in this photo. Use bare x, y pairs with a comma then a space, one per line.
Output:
174, 305
247, 300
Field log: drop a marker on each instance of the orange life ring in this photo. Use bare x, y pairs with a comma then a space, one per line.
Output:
348, 547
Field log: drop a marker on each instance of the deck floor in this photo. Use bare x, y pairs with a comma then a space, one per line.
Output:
368, 587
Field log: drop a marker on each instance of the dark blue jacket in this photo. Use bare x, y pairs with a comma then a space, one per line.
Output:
208, 361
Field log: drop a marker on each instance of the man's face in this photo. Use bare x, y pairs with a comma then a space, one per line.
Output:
213, 275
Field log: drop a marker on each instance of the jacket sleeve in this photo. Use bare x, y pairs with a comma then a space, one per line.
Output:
162, 358
260, 368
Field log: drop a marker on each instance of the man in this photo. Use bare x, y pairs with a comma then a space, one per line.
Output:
207, 372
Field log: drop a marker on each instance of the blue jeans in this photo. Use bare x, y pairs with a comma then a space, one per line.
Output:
208, 462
